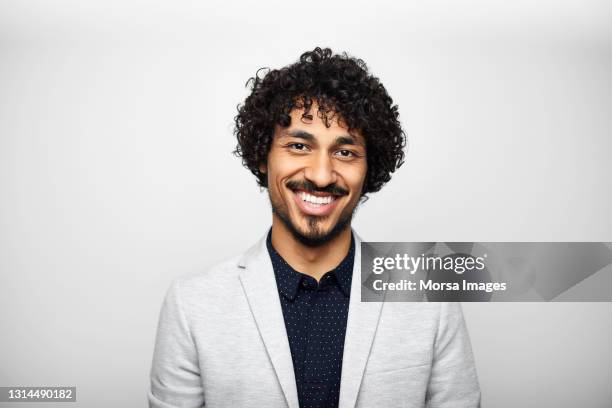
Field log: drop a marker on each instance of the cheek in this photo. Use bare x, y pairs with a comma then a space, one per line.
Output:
282, 170
356, 177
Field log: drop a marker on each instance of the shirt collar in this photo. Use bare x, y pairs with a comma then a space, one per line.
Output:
288, 279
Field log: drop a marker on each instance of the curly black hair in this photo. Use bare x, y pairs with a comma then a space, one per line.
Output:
341, 85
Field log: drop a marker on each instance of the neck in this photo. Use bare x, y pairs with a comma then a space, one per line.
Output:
312, 261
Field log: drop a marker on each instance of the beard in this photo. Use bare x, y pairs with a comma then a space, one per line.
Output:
314, 236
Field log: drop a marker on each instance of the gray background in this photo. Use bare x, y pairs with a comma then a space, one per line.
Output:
116, 174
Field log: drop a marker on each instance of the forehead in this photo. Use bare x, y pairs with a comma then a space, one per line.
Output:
313, 122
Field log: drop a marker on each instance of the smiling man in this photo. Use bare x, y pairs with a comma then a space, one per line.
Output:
315, 173
282, 324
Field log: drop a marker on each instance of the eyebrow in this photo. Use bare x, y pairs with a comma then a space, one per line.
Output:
302, 134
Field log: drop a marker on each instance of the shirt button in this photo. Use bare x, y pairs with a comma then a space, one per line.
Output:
304, 284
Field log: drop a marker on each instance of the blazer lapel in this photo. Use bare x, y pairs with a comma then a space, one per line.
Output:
259, 285
360, 330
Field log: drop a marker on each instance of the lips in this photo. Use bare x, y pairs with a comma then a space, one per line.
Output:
315, 204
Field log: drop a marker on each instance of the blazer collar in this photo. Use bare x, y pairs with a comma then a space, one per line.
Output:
259, 285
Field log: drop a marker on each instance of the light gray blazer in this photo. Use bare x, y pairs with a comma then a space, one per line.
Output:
221, 342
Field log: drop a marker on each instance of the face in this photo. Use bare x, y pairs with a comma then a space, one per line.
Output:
315, 176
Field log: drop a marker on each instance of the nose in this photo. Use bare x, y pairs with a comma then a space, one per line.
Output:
320, 170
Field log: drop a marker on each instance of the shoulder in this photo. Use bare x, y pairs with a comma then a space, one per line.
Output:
216, 282
210, 280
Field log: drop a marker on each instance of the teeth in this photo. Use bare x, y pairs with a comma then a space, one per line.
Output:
314, 199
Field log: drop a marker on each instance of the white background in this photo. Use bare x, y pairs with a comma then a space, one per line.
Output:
116, 173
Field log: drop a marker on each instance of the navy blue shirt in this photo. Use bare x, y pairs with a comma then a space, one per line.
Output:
315, 317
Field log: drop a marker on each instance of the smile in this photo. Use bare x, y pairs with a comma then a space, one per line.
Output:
315, 204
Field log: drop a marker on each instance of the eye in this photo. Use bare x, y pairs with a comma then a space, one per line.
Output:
298, 146
346, 153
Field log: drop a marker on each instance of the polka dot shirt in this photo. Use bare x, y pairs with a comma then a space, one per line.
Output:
315, 317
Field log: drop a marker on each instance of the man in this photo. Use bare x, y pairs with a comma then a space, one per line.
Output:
282, 325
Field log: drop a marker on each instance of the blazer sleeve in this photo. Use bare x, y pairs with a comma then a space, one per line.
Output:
453, 381
175, 372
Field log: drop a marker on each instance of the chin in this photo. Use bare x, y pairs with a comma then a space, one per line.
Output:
313, 235
311, 230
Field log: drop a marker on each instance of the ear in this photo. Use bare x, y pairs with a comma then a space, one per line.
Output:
263, 168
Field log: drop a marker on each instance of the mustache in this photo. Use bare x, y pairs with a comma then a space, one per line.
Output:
310, 187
